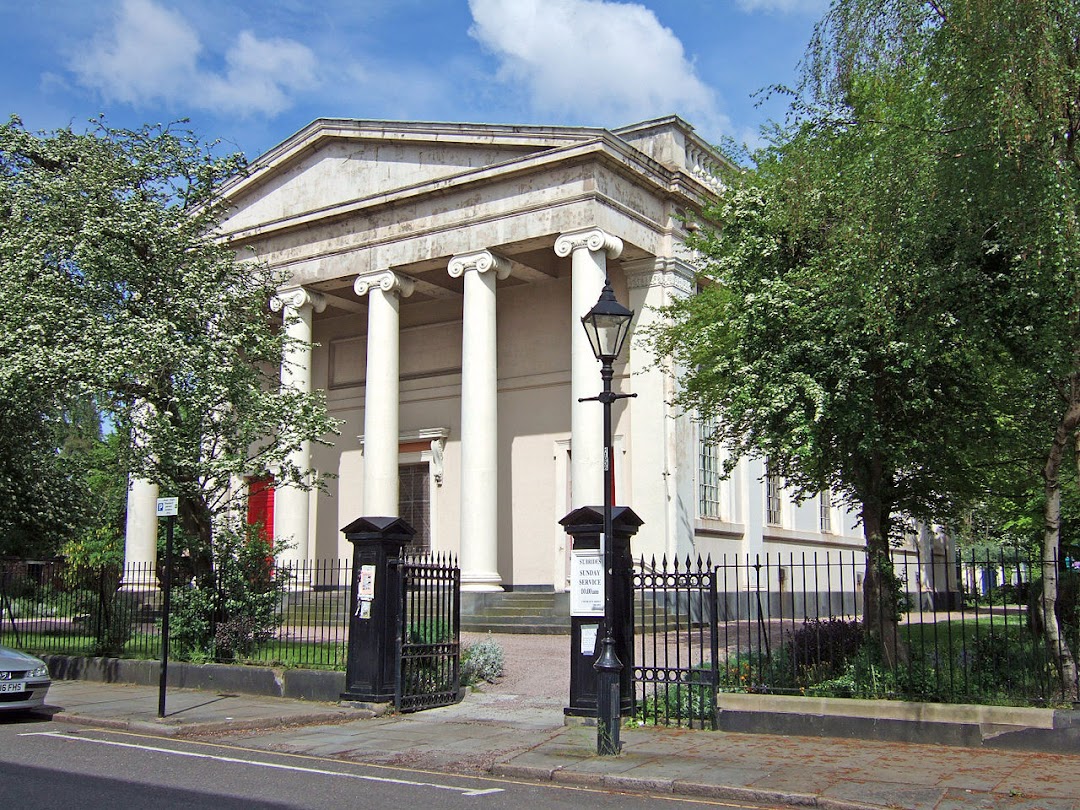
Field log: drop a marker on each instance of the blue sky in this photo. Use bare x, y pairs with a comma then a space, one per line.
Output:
252, 73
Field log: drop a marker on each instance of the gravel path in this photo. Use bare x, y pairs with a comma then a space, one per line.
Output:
535, 666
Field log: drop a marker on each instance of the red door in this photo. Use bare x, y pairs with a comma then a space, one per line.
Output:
260, 508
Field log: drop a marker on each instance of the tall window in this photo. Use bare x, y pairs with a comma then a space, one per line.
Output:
773, 485
708, 471
911, 532
825, 509
414, 503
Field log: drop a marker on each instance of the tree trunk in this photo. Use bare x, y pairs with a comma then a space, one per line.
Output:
879, 597
880, 606
197, 526
1056, 643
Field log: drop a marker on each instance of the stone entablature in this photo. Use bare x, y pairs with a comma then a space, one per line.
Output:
665, 272
293, 200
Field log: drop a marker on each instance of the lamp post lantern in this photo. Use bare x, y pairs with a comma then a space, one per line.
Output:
607, 325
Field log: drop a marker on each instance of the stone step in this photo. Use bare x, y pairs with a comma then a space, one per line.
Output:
532, 629
516, 612
528, 600
511, 611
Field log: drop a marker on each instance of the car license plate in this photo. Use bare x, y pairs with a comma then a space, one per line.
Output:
6, 687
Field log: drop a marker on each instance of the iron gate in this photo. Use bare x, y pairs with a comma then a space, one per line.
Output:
676, 650
428, 640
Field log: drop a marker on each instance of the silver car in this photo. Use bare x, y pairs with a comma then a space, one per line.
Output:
24, 680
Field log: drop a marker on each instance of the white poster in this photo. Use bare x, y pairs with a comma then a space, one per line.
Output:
588, 638
586, 583
366, 582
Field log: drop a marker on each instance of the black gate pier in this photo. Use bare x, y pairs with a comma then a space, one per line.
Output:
585, 526
375, 608
405, 615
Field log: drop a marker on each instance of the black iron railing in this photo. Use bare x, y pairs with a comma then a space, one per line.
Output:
429, 650
967, 628
676, 642
299, 618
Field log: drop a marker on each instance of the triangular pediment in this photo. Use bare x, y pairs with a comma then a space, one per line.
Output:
334, 162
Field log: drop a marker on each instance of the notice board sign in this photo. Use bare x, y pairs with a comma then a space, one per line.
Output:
586, 583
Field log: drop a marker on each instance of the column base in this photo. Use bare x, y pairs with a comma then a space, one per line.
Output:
141, 580
481, 581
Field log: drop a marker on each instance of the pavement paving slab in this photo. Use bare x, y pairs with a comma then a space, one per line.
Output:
516, 730
954, 800
886, 794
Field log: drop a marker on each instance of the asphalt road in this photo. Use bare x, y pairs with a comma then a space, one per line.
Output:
44, 766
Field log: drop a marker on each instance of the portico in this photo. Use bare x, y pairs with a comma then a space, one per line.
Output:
441, 271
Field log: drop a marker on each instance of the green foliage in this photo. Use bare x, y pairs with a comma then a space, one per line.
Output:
836, 335
109, 618
992, 660
891, 291
49, 459
428, 632
230, 615
123, 293
1066, 606
482, 661
94, 569
690, 703
1001, 83
821, 648
98, 548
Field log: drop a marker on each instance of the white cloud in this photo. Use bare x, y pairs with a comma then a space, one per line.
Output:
785, 6
260, 74
151, 54
597, 61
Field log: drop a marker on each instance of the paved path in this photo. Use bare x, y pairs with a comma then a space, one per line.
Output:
523, 737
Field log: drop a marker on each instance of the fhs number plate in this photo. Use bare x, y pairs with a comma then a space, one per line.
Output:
12, 686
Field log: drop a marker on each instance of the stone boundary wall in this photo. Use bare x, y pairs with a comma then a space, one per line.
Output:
971, 726
323, 686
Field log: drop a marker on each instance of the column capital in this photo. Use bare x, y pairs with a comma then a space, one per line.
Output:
296, 298
660, 271
481, 261
592, 238
385, 280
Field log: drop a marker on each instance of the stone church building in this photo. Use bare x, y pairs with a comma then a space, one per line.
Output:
441, 271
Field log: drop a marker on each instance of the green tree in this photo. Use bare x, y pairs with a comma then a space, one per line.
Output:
126, 296
842, 331
1006, 77
42, 490
830, 339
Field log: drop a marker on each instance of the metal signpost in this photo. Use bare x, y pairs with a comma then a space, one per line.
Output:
166, 507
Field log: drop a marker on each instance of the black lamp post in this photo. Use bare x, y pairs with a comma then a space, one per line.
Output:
607, 325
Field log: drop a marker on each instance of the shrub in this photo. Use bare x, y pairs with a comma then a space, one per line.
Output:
690, 703
428, 632
94, 569
235, 612
821, 648
482, 661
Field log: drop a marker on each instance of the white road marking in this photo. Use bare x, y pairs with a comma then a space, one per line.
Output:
261, 764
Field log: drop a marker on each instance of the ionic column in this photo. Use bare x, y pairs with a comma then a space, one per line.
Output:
291, 503
384, 290
589, 251
479, 419
140, 532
